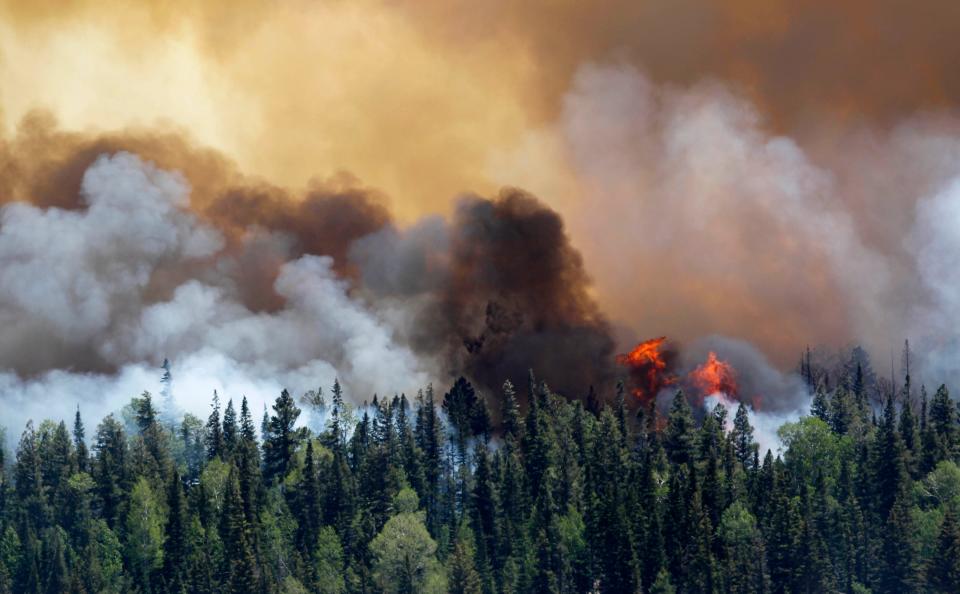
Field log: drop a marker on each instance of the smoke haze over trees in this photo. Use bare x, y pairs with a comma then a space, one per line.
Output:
414, 495
754, 204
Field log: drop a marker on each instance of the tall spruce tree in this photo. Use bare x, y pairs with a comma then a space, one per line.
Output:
281, 440
214, 436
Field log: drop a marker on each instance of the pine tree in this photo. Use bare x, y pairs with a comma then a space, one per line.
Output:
464, 578
80, 443
620, 411
337, 422
54, 562
942, 421
821, 404
111, 469
511, 413
282, 439
241, 566
908, 433
678, 436
943, 574
214, 440
899, 570
662, 585
175, 543
156, 459
783, 534
309, 510
247, 431
460, 404
742, 437
28, 479
484, 509
538, 440
230, 429
888, 463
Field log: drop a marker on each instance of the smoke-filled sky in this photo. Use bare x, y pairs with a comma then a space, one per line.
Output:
288, 191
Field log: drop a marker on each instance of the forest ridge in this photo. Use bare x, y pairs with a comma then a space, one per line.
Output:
428, 496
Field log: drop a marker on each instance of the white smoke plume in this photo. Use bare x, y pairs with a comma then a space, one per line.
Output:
135, 277
695, 220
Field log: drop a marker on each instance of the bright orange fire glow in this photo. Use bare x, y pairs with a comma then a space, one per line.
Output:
714, 376
645, 353
648, 368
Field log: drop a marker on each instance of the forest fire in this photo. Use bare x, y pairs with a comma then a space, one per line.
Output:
648, 365
714, 377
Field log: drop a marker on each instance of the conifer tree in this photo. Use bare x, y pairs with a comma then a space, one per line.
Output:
820, 407
230, 428
235, 532
899, 571
282, 439
464, 578
175, 542
309, 510
461, 406
80, 443
484, 509
214, 440
742, 437
942, 421
28, 479
943, 574
678, 436
511, 413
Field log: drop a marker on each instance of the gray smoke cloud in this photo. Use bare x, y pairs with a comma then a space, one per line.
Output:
760, 384
134, 277
695, 219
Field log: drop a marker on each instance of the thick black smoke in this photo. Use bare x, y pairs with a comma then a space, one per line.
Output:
500, 290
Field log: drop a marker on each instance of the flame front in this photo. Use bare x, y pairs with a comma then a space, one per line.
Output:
714, 377
648, 368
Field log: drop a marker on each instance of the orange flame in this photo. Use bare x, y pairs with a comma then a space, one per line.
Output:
647, 352
648, 368
714, 376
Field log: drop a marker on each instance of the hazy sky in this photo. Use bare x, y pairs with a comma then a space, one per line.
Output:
751, 168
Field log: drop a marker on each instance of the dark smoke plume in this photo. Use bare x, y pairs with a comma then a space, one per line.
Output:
503, 290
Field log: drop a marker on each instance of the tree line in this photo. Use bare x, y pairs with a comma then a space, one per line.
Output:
432, 495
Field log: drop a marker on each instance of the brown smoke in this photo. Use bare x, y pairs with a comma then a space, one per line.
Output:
801, 60
509, 291
44, 165
652, 127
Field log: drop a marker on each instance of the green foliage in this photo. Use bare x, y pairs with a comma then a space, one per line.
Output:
144, 531
564, 498
404, 554
328, 562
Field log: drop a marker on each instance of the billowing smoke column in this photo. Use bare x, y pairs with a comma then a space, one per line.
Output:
700, 221
117, 251
499, 290
107, 271
94, 298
